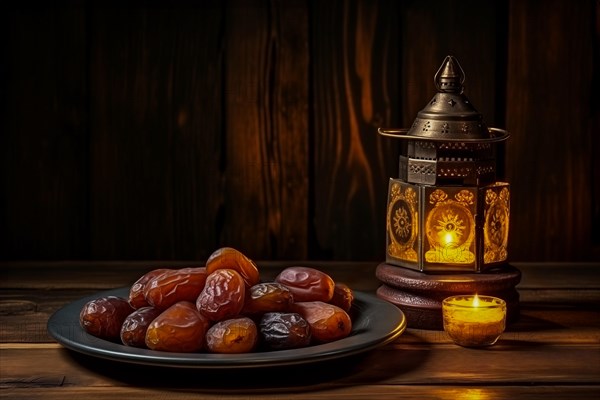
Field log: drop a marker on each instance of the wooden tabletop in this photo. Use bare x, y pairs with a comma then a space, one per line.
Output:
553, 351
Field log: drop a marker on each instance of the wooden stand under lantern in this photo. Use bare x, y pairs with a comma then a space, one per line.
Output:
420, 295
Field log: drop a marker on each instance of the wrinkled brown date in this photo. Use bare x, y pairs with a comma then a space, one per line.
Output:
103, 317
133, 330
235, 335
267, 297
307, 284
327, 322
175, 285
230, 258
343, 297
180, 328
280, 331
137, 299
222, 296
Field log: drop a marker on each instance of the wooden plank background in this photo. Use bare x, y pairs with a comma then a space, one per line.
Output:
154, 130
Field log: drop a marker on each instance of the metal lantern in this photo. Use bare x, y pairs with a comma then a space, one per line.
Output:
446, 211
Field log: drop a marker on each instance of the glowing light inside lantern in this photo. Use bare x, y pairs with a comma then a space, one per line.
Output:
448, 238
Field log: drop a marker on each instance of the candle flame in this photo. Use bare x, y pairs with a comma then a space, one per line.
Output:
448, 238
476, 301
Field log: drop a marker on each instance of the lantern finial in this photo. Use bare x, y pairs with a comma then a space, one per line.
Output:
450, 77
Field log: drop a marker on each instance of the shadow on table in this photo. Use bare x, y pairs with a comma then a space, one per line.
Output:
367, 368
524, 334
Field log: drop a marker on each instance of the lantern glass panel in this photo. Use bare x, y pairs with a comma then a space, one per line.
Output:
496, 222
449, 227
403, 223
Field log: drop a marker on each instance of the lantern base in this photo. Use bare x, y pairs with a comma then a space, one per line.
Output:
419, 295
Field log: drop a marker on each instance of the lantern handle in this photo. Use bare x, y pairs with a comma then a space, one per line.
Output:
393, 133
496, 135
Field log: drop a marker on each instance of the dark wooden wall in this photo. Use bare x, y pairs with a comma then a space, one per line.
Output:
163, 130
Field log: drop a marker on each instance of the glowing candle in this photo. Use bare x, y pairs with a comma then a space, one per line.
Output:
473, 321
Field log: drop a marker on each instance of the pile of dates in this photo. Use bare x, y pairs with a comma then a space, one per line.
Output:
224, 307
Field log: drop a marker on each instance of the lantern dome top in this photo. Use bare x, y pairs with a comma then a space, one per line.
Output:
449, 116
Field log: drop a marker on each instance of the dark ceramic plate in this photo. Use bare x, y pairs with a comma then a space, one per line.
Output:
375, 323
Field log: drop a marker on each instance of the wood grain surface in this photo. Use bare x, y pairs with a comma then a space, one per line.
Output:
552, 351
146, 130
549, 74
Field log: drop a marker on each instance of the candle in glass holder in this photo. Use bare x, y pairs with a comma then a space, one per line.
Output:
474, 321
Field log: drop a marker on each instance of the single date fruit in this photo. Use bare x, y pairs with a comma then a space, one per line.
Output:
104, 316
175, 285
343, 296
267, 297
222, 296
280, 331
307, 284
133, 330
180, 328
137, 299
327, 322
230, 258
235, 335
